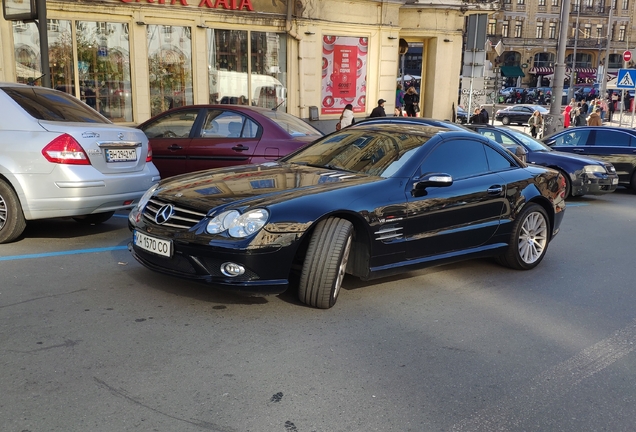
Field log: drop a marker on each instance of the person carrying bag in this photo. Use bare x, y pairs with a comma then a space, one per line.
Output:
536, 124
411, 102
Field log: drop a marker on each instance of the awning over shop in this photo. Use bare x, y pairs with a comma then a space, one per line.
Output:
512, 71
541, 70
582, 72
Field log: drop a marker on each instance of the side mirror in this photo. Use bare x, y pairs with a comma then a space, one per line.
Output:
521, 153
431, 180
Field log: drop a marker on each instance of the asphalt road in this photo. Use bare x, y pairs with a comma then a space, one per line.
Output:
92, 341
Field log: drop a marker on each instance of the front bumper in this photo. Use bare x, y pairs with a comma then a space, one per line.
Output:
267, 270
595, 184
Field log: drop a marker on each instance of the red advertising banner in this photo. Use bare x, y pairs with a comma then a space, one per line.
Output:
344, 74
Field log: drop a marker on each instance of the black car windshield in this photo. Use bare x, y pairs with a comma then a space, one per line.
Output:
373, 152
46, 104
531, 143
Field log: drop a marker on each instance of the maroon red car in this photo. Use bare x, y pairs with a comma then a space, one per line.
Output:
199, 137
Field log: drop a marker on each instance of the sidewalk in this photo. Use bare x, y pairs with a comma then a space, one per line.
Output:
626, 123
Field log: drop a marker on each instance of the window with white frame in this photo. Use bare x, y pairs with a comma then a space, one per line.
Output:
599, 31
492, 26
518, 29
621, 33
539, 34
552, 31
504, 29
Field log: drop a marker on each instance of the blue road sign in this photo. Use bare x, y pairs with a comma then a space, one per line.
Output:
626, 79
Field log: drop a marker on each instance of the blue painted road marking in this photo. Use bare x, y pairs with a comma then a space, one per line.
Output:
62, 253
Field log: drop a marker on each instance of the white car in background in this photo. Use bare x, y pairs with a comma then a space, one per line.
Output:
61, 158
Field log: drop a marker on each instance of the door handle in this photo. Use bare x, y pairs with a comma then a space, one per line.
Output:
175, 147
240, 148
495, 190
578, 150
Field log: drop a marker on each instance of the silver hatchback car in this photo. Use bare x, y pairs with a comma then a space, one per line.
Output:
61, 158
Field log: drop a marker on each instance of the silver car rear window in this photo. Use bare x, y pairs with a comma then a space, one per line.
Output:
46, 104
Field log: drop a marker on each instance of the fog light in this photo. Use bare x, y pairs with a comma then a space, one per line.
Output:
232, 269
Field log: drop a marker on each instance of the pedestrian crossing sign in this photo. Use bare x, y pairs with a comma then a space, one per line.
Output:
626, 79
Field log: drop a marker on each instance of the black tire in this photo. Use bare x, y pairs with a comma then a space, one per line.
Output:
325, 263
632, 182
12, 222
529, 239
505, 120
94, 219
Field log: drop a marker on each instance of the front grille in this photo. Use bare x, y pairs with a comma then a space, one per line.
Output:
177, 263
181, 217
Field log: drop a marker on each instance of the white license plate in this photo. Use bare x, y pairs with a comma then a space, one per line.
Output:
121, 155
152, 244
614, 181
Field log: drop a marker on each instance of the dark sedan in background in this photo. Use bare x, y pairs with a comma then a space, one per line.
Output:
519, 114
371, 200
610, 144
583, 175
198, 137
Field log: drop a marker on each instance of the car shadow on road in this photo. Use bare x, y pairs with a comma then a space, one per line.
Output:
67, 228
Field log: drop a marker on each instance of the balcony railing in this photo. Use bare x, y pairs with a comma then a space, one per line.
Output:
588, 43
598, 10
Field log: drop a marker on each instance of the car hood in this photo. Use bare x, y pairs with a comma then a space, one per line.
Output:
255, 185
571, 157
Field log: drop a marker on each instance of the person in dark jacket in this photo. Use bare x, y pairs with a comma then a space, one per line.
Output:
484, 115
379, 110
411, 100
476, 118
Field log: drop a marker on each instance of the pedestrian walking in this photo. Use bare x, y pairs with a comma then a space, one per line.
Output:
411, 102
379, 110
611, 105
579, 117
567, 116
399, 101
595, 118
536, 124
346, 118
484, 115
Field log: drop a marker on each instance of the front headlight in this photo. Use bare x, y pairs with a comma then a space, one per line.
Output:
236, 224
146, 197
591, 169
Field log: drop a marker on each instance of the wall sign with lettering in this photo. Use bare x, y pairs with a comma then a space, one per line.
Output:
237, 5
344, 74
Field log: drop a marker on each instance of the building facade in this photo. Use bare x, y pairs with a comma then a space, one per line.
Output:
529, 30
132, 59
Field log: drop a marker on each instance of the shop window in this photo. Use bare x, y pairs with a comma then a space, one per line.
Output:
616, 61
170, 67
268, 70
227, 64
103, 67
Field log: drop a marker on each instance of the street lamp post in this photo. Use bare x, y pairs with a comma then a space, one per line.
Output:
607, 53
576, 39
555, 118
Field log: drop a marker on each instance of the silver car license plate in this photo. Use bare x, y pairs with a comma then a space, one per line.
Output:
152, 244
121, 155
